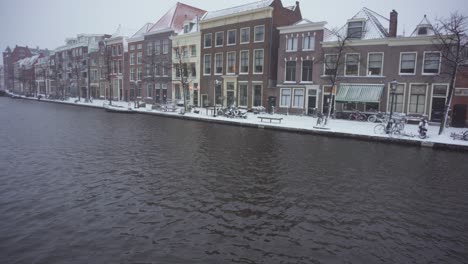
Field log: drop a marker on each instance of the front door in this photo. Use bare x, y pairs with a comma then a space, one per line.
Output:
195, 98
312, 102
437, 111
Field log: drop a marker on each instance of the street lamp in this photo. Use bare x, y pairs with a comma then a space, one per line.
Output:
214, 97
393, 87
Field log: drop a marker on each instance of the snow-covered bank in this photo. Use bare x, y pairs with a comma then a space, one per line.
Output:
302, 124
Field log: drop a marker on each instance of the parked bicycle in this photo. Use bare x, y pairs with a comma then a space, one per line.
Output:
380, 117
395, 128
358, 116
461, 135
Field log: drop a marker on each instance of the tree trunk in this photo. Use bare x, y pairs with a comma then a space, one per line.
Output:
449, 100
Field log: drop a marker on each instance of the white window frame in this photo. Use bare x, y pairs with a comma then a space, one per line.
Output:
246, 93
415, 63
139, 46
132, 58
311, 42
235, 37
286, 71
165, 46
460, 91
255, 35
381, 66
261, 92
148, 89
222, 65
302, 71
240, 62
204, 41
240, 35
254, 61
216, 38
288, 105
325, 63
409, 97
204, 63
292, 43
363, 25
424, 62
346, 64
227, 63
293, 98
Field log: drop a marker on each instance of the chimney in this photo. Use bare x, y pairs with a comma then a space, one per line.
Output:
392, 31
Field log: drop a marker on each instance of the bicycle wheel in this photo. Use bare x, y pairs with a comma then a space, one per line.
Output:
465, 136
379, 129
372, 118
361, 117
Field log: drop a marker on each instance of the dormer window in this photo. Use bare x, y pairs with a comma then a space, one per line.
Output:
355, 29
422, 31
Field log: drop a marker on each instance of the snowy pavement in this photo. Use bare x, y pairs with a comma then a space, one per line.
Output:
301, 123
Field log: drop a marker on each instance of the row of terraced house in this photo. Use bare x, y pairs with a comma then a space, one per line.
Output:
253, 55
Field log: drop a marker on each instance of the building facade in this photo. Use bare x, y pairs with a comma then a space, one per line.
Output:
239, 52
10, 57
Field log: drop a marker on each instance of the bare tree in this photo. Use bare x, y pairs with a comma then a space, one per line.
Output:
183, 71
333, 57
452, 41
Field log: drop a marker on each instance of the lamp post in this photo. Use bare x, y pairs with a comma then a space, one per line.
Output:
214, 97
393, 87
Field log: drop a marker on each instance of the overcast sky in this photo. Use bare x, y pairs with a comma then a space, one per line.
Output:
46, 23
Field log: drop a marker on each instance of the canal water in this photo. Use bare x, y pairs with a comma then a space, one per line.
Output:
80, 185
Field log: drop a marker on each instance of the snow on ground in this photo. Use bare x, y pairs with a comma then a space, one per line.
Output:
298, 122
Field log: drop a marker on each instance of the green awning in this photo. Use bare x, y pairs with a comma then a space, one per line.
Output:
365, 93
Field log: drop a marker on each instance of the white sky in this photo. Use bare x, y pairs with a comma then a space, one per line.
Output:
46, 23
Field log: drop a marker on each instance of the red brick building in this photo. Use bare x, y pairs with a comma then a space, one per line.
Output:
9, 58
239, 52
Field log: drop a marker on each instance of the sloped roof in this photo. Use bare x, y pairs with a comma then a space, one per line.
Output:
176, 16
123, 32
374, 25
238, 9
143, 30
304, 21
28, 62
425, 23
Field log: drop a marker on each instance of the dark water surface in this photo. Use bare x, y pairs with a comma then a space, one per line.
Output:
81, 185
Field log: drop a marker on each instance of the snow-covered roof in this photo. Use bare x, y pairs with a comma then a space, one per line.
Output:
28, 62
424, 28
141, 32
373, 25
123, 32
237, 9
176, 17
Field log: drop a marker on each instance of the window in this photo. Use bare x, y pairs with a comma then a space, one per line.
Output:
156, 70
114, 51
114, 67
193, 50
185, 52
230, 98
242, 94
132, 47
408, 63
417, 99
259, 33
85, 74
398, 99
157, 47
355, 29
164, 69
290, 71
139, 58
185, 69
291, 44
207, 64
422, 31
149, 49
308, 43
352, 65
244, 61
119, 50
285, 97
219, 63
219, 39
298, 99
207, 40
139, 74
375, 64
177, 92
431, 62
177, 70
231, 37
165, 46
139, 46
258, 61
244, 35
132, 74
193, 69
120, 66
257, 95
231, 62
177, 53
330, 64
149, 90
307, 70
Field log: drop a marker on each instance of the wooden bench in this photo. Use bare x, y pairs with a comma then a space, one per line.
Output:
270, 118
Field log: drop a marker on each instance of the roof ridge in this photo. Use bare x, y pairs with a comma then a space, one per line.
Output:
233, 7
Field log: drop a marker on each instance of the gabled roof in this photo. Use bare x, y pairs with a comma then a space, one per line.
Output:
238, 9
141, 32
28, 62
176, 16
425, 23
374, 25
